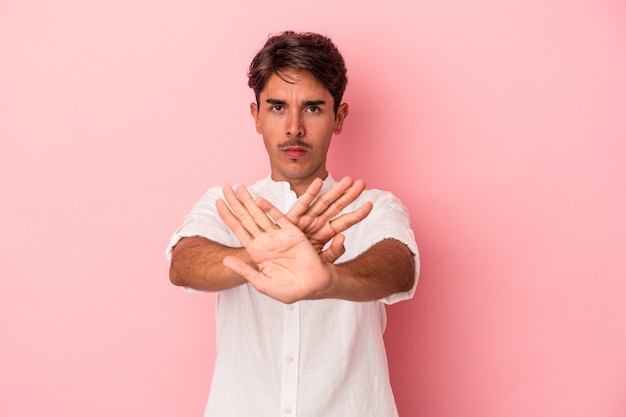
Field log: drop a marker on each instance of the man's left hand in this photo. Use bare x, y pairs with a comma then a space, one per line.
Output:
290, 268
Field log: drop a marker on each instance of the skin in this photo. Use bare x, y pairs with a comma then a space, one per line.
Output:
198, 262
288, 268
295, 116
296, 120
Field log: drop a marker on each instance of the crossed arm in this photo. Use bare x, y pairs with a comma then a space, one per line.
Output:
282, 255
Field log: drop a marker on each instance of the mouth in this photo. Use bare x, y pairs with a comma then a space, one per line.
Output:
294, 149
294, 152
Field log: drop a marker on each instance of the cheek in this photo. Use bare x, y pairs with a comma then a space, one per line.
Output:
269, 126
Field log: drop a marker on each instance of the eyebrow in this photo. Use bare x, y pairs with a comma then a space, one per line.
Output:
314, 102
275, 101
306, 102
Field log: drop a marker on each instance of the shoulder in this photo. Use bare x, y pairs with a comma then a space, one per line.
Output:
381, 198
260, 186
387, 209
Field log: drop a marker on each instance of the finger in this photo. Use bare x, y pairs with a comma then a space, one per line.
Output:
281, 220
345, 221
304, 201
240, 267
332, 203
335, 250
233, 222
241, 212
330, 198
260, 218
268, 207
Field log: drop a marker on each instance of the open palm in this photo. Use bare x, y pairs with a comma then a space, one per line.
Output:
289, 268
316, 216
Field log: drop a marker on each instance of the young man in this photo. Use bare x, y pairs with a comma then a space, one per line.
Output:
303, 265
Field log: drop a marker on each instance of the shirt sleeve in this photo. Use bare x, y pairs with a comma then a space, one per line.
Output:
203, 220
389, 219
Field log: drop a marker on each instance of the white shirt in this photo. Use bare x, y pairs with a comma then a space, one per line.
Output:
320, 358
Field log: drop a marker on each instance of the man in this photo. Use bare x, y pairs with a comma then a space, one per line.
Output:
302, 264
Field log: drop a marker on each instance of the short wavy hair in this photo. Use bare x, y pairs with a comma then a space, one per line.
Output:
300, 51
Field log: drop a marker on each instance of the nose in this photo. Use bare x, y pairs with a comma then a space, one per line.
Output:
294, 125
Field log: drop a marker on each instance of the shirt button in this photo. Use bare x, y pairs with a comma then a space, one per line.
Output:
290, 359
290, 307
287, 410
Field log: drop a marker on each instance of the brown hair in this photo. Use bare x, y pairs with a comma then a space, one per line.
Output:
300, 51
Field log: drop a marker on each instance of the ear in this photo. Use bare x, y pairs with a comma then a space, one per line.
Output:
342, 113
254, 112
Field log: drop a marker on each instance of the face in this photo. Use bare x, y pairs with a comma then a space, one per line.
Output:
297, 121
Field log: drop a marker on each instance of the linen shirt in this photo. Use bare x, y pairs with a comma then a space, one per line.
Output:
310, 358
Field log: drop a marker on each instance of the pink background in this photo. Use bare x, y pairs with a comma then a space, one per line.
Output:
500, 124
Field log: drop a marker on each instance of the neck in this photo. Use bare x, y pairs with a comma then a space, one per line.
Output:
300, 185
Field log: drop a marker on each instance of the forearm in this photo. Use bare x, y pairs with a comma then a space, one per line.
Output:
386, 268
197, 263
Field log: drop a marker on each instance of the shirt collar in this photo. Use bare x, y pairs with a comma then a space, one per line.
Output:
329, 181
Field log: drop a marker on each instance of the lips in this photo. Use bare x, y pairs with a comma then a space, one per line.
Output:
294, 152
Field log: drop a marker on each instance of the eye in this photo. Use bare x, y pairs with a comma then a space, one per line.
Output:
313, 109
277, 107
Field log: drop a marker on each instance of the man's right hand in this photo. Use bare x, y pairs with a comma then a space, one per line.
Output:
315, 216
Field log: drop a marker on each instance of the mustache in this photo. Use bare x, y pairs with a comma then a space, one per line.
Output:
295, 142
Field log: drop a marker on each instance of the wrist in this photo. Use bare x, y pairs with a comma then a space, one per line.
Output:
332, 287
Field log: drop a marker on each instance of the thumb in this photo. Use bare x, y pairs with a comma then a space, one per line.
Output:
335, 250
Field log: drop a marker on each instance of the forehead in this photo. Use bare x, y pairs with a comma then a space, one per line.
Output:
288, 82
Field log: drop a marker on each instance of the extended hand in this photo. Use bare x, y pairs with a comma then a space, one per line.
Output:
316, 216
289, 267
